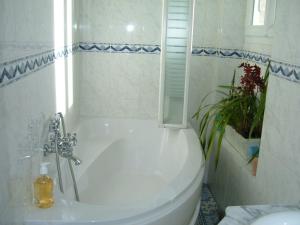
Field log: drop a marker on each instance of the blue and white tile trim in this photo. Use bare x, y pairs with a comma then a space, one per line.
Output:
119, 48
231, 53
204, 51
14, 70
280, 69
286, 71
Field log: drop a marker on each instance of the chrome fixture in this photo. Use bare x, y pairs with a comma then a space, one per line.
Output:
61, 143
76, 160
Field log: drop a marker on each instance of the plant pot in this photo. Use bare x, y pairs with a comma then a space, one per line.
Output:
254, 166
240, 143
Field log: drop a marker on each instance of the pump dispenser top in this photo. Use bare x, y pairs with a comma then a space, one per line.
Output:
44, 168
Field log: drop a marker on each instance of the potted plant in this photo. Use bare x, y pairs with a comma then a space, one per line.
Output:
241, 107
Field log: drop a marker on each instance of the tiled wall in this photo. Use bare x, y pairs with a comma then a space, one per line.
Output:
18, 28
4, 165
112, 80
278, 171
212, 37
26, 50
120, 52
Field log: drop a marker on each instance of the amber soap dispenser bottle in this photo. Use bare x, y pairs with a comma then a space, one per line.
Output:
43, 188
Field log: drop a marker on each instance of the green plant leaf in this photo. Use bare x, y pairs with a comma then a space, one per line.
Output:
211, 138
238, 108
222, 92
258, 118
225, 86
219, 146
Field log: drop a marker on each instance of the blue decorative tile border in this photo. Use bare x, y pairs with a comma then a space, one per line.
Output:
16, 69
287, 71
280, 69
204, 51
119, 48
231, 53
256, 57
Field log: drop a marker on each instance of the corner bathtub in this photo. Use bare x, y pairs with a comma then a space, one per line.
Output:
132, 173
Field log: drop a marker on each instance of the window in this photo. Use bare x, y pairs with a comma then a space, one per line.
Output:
260, 17
259, 12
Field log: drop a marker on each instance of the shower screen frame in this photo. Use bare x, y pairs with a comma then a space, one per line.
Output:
162, 88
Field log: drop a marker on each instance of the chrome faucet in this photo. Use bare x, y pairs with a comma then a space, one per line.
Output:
66, 144
62, 143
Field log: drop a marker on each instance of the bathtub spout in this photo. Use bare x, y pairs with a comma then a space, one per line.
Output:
76, 160
62, 143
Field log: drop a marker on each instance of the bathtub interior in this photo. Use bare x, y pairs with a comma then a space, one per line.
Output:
130, 163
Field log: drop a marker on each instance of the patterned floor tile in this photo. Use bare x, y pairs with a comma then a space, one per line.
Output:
208, 214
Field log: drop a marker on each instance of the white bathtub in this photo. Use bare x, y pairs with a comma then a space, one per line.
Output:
132, 173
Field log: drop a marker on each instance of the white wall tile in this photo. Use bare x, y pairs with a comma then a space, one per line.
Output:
119, 85
106, 21
232, 23
280, 184
202, 81
26, 28
4, 159
206, 23
286, 43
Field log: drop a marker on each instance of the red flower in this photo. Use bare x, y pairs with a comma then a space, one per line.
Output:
251, 80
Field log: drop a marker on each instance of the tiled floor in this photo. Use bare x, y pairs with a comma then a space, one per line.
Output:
208, 214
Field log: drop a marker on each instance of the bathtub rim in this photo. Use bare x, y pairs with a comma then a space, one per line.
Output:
140, 212
138, 217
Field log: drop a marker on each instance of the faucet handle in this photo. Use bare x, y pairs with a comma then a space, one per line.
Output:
65, 148
47, 149
72, 138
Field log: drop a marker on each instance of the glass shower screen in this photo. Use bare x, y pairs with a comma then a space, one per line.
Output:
176, 52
